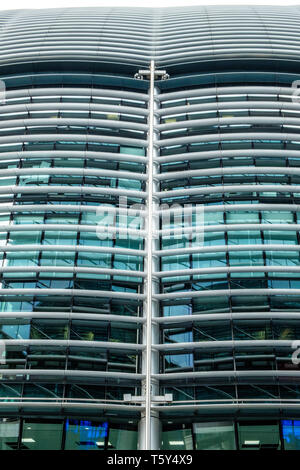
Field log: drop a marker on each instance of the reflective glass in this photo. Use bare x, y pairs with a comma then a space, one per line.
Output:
256, 436
214, 436
177, 439
291, 434
42, 435
122, 439
85, 435
9, 433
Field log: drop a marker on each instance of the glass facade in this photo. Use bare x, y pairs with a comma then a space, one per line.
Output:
95, 149
66, 434
230, 435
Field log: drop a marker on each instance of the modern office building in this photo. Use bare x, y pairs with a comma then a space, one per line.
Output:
127, 322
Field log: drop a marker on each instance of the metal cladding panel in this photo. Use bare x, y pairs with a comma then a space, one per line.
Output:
134, 36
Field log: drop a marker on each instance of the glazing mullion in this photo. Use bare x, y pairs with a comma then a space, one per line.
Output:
149, 424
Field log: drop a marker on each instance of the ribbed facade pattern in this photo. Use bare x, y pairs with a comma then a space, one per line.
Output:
169, 35
77, 130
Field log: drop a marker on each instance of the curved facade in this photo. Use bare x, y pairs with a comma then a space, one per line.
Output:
149, 224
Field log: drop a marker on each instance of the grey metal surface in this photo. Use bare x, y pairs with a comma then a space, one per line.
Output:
167, 35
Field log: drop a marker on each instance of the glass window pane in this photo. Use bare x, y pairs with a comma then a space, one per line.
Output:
291, 434
214, 436
255, 436
85, 435
122, 439
9, 432
177, 439
42, 435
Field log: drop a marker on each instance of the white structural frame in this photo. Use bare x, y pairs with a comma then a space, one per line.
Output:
149, 435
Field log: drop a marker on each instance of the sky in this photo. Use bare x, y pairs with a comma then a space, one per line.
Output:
15, 4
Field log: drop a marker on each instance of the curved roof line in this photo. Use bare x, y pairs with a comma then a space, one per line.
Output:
133, 36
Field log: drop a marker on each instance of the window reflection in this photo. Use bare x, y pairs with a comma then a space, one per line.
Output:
256, 436
41, 435
9, 433
214, 436
291, 434
85, 435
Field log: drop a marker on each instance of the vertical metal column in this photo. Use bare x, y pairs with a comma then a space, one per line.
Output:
149, 425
